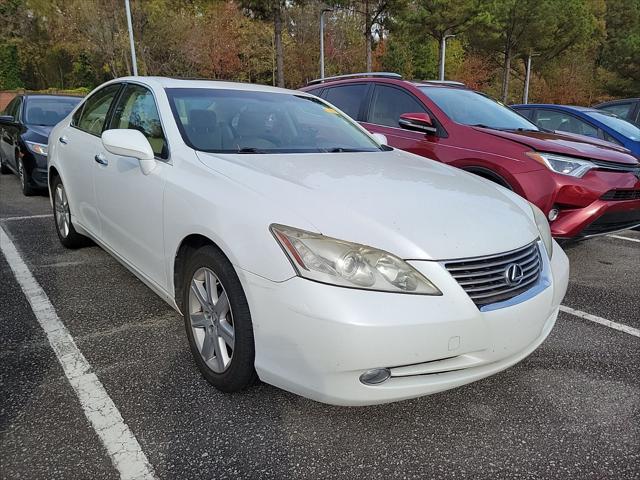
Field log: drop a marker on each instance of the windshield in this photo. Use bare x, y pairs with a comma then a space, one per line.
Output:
472, 108
619, 125
241, 121
48, 111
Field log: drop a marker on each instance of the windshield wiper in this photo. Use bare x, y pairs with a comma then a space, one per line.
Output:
482, 125
342, 149
250, 150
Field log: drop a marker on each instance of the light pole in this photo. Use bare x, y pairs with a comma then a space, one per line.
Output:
443, 49
324, 10
525, 94
133, 47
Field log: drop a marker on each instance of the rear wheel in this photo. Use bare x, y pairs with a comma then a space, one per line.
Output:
25, 179
218, 321
62, 217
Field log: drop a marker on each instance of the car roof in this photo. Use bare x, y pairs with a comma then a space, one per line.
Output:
46, 95
556, 107
387, 80
170, 82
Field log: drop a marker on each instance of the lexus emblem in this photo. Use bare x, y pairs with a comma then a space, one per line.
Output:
513, 274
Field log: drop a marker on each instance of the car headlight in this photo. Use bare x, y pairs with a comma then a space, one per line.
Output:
575, 167
543, 227
39, 148
337, 262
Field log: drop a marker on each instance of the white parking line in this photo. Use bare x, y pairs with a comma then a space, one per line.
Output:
625, 238
25, 217
602, 321
122, 446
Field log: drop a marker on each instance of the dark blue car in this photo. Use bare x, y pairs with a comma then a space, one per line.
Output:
583, 121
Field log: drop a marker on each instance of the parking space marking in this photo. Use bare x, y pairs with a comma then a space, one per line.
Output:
602, 321
26, 217
122, 446
625, 238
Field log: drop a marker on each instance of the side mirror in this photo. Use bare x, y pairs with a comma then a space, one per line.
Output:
130, 143
420, 122
381, 139
6, 119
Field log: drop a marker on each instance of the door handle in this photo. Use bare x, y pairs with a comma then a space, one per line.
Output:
101, 159
63, 140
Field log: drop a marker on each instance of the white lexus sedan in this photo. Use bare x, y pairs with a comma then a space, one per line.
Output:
300, 249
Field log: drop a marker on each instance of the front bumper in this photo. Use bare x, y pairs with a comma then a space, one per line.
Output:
316, 340
583, 203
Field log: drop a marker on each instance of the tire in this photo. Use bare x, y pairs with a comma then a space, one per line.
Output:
25, 180
220, 333
4, 169
67, 234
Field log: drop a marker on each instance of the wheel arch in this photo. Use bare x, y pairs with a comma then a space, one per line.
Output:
187, 246
490, 175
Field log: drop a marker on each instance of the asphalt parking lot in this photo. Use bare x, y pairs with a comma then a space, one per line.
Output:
570, 410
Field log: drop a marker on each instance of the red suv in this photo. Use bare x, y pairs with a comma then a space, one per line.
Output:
585, 186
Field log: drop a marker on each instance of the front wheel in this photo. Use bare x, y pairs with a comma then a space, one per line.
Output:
218, 321
62, 217
25, 179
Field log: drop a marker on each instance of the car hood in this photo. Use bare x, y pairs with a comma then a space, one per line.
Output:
39, 133
395, 201
567, 144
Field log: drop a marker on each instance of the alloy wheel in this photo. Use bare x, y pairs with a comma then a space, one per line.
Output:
63, 215
211, 320
21, 175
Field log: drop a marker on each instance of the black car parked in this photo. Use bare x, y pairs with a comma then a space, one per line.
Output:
627, 108
24, 134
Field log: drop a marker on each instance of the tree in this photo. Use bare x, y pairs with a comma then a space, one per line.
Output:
271, 10
438, 18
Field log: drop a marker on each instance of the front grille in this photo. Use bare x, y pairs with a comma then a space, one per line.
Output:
484, 278
612, 222
617, 167
621, 195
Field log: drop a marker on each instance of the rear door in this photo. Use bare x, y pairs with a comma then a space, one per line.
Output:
78, 147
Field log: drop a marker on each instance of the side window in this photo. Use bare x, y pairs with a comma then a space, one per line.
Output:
621, 110
565, 122
137, 110
13, 107
526, 112
609, 138
389, 103
347, 98
94, 111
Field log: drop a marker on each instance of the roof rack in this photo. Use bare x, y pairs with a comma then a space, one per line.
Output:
443, 82
357, 75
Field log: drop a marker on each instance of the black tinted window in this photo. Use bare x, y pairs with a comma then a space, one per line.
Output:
389, 103
347, 98
48, 110
13, 107
95, 109
137, 110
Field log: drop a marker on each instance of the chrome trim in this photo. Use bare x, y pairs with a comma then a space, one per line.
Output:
535, 265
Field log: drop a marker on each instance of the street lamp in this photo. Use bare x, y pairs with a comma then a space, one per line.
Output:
443, 49
134, 63
324, 10
525, 94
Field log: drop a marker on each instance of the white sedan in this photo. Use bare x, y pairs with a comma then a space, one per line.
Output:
299, 248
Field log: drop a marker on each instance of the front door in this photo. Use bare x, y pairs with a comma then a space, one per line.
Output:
130, 203
387, 104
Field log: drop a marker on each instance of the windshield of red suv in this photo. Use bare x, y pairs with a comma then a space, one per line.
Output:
472, 108
244, 121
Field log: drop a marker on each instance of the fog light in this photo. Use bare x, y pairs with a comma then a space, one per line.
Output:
375, 376
553, 214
